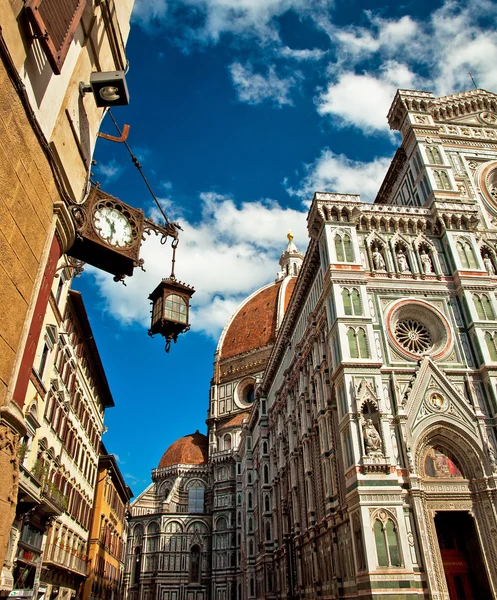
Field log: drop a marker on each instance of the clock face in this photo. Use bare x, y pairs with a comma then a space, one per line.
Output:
113, 226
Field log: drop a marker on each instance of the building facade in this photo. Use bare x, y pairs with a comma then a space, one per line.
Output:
351, 427
48, 131
109, 530
59, 455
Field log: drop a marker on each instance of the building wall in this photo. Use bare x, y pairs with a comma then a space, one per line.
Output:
48, 132
108, 534
64, 409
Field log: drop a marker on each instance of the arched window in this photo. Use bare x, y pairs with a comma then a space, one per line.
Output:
483, 307
491, 345
249, 500
267, 504
268, 532
264, 447
251, 547
196, 500
343, 248
351, 302
445, 180
239, 519
466, 255
266, 474
227, 442
437, 158
252, 586
387, 543
195, 564
250, 525
358, 344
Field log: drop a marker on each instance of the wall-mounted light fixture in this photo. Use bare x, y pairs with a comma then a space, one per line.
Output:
108, 88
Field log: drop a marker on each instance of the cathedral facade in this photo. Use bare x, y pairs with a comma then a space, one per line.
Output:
351, 449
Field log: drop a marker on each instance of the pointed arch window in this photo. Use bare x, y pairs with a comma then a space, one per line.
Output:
343, 248
387, 543
358, 344
483, 307
466, 254
351, 301
491, 345
266, 474
434, 155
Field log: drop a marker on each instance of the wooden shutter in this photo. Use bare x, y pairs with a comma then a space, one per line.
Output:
54, 23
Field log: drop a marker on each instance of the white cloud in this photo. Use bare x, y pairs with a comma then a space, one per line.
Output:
227, 254
305, 54
363, 100
110, 171
255, 88
214, 18
332, 172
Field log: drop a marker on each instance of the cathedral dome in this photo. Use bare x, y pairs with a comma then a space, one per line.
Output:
191, 449
256, 320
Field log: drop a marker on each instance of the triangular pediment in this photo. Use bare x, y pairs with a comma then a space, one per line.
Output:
435, 399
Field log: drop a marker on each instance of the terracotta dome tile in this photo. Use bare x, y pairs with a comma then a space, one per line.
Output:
254, 326
234, 421
189, 450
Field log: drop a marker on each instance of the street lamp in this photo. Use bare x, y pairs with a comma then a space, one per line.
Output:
170, 309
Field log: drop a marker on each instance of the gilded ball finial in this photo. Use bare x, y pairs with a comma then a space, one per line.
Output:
289, 236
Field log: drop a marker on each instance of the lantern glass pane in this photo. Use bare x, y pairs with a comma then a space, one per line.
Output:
176, 309
157, 311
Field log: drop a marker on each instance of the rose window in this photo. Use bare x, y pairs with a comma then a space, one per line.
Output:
415, 327
413, 336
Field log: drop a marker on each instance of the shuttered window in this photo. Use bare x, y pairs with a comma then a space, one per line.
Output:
54, 22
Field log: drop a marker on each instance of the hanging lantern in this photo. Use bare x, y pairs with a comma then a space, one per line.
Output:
170, 309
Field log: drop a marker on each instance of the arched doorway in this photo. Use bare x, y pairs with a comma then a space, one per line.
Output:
454, 518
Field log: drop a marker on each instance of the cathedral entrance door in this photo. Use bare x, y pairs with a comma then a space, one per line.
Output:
461, 556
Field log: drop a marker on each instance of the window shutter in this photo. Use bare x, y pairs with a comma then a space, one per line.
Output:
54, 22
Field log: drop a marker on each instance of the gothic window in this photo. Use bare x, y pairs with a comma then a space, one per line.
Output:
387, 542
434, 156
491, 345
227, 442
267, 506
266, 474
268, 532
343, 248
195, 564
196, 500
358, 345
483, 307
250, 525
249, 500
351, 301
442, 180
251, 547
264, 447
466, 254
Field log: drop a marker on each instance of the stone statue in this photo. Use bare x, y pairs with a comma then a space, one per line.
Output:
487, 261
379, 263
426, 262
402, 262
372, 439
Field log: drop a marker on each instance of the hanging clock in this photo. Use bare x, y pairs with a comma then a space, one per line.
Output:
108, 234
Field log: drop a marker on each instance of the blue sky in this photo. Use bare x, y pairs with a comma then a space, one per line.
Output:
240, 110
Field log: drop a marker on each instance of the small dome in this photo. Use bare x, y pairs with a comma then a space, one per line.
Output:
191, 449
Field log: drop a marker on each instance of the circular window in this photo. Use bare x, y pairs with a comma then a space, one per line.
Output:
488, 182
416, 328
413, 336
245, 392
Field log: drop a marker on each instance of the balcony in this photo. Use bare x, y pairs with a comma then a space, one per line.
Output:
58, 556
55, 497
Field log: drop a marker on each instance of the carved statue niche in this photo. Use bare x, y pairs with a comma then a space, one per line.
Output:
373, 445
488, 260
401, 254
378, 260
426, 260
